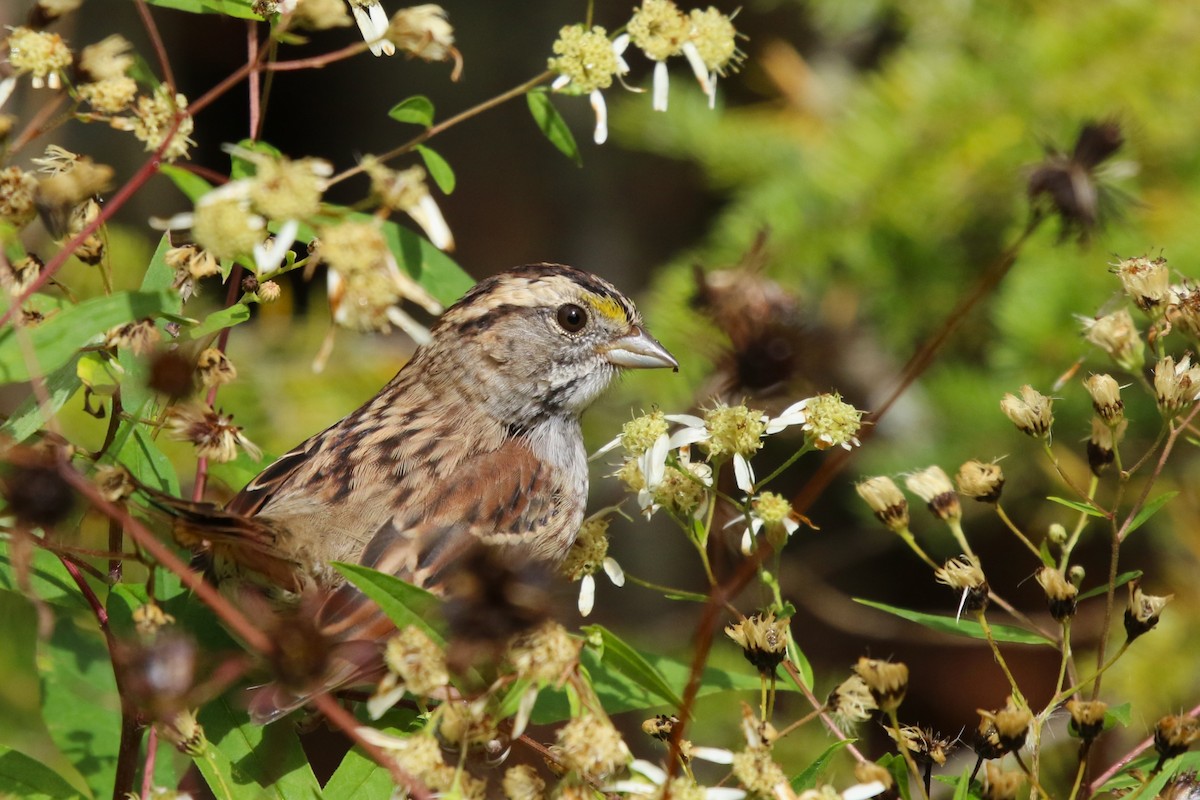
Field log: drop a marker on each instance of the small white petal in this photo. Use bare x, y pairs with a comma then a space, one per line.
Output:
427, 214
712, 91
614, 572
524, 711
649, 770
747, 542
175, 223
601, 134
8, 84
619, 44
686, 436
379, 20
269, 255
744, 473
587, 595
378, 704
607, 447
685, 419
790, 525
714, 755
698, 68
653, 462
862, 791
724, 793
631, 787
398, 317
560, 82
234, 190
367, 28
661, 86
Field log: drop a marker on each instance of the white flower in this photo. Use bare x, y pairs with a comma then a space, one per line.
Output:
587, 584
373, 23
696, 430
654, 779
792, 415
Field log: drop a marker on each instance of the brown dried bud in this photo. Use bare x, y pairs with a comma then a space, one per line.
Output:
984, 482
886, 501
887, 681
1087, 717
1142, 614
1106, 397
1060, 593
932, 485
763, 640
1031, 413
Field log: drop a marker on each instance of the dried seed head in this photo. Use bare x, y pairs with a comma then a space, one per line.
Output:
1116, 335
320, 15
851, 703
211, 432
1183, 312
1031, 412
1060, 593
1006, 729
886, 500
17, 205
932, 485
965, 574
1174, 734
1001, 784
758, 773
982, 481
1142, 614
592, 747
660, 727
1102, 444
1087, 717
926, 746
1175, 385
870, 772
546, 655
886, 681
522, 782
149, 619
214, 368
1066, 184
114, 483
763, 640
1147, 282
183, 731
1106, 397
34, 491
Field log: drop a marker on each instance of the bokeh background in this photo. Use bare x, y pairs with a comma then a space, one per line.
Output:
882, 150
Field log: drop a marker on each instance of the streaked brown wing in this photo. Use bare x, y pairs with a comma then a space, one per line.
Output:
254, 495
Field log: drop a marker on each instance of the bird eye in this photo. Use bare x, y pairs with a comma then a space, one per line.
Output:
571, 318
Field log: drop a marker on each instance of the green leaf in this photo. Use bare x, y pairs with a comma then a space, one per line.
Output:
1122, 579
963, 787
358, 776
192, 185
403, 603
961, 627
227, 317
140, 454
242, 167
438, 167
552, 125
417, 109
1148, 511
29, 417
630, 663
96, 373
1118, 715
29, 779
21, 725
56, 340
244, 759
241, 9
808, 778
1083, 508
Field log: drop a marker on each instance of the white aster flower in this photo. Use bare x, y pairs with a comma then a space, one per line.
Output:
373, 23
653, 780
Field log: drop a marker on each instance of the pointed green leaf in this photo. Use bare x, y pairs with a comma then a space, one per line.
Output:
438, 167
21, 725
417, 109
1083, 508
57, 339
629, 662
29, 417
1148, 511
807, 779
552, 125
241, 9
192, 185
403, 603
1122, 579
960, 627
29, 779
227, 317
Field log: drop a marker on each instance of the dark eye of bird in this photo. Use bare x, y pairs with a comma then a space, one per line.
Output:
572, 318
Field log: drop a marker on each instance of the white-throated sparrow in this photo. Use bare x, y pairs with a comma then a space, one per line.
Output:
476, 439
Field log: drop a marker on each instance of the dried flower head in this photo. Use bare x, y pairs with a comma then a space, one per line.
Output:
417, 661
1002, 784
1183, 309
138, 337
1087, 717
185, 733
17, 191
932, 485
1102, 444
763, 640
114, 482
964, 575
1174, 735
108, 59
851, 703
34, 491
887, 681
660, 726
424, 32
1106, 397
545, 655
17, 276
982, 481
211, 432
885, 499
1175, 385
320, 15
1031, 413
1144, 609
214, 368
1067, 185
592, 747
149, 619
1060, 593
154, 117
926, 746
756, 770
1117, 336
1007, 728
40, 54
522, 782
1147, 282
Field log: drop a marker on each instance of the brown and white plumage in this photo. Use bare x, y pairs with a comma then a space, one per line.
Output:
476, 439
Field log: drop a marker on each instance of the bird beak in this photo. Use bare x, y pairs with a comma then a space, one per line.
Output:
639, 350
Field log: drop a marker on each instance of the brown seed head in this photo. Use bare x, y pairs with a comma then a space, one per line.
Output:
982, 481
932, 485
886, 501
1142, 614
886, 681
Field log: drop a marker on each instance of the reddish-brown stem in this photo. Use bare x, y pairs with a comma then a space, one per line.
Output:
148, 769
253, 88
231, 616
342, 718
160, 51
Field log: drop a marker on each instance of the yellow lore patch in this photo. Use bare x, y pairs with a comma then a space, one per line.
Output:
608, 307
